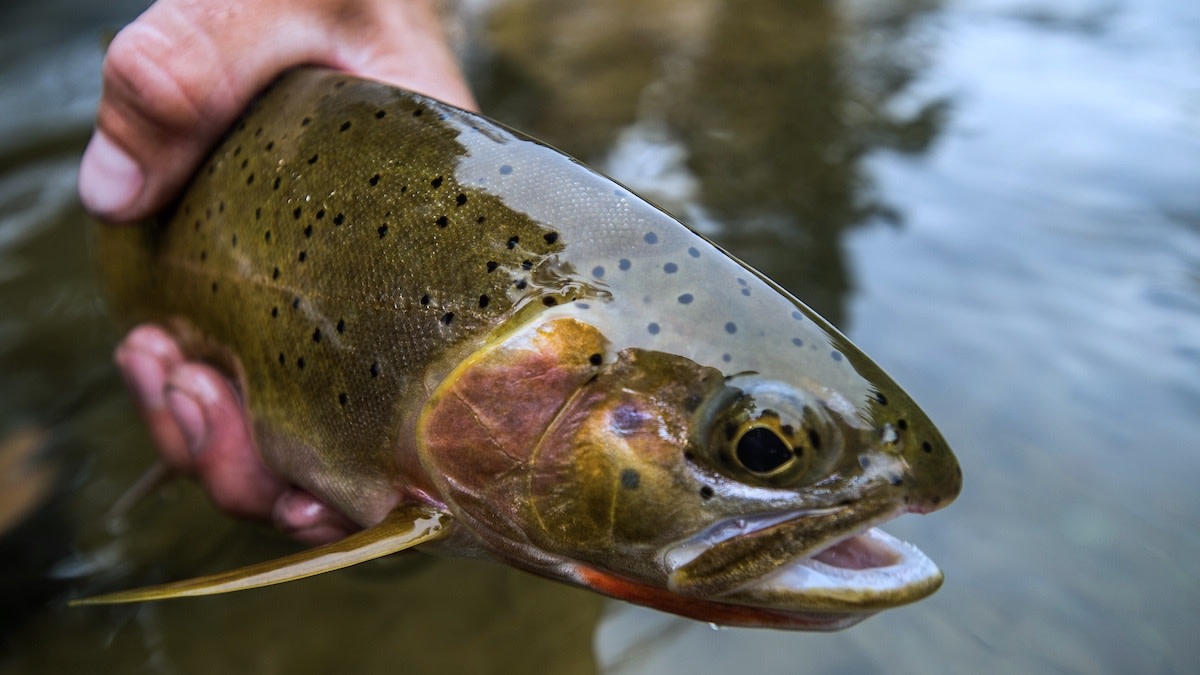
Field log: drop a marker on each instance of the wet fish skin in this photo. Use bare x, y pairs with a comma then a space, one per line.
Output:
365, 261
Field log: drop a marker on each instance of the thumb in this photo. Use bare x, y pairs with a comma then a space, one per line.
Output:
176, 77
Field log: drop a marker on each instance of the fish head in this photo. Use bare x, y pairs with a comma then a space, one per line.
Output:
741, 499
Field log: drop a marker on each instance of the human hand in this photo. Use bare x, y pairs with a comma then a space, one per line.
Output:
174, 80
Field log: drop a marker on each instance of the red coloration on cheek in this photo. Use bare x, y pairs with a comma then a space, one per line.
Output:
719, 613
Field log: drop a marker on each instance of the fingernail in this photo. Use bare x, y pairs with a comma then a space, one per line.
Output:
190, 417
144, 375
109, 180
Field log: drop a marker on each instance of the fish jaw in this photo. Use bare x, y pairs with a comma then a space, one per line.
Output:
861, 573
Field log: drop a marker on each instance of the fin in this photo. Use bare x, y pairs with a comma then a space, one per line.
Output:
157, 474
403, 528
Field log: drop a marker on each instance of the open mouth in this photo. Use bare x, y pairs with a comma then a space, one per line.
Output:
776, 562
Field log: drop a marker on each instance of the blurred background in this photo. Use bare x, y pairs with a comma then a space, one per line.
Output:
999, 200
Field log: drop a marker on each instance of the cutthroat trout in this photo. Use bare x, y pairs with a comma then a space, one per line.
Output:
466, 340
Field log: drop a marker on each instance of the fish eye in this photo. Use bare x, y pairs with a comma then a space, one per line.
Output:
762, 451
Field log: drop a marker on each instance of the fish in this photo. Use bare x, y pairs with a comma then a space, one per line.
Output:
471, 343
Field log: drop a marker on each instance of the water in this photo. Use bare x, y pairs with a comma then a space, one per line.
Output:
997, 199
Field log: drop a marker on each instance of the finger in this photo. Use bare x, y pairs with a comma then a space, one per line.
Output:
213, 422
304, 517
176, 77
145, 357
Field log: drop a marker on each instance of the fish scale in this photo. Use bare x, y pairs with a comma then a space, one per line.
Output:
463, 338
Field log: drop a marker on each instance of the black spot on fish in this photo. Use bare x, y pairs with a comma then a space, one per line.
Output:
233, 241
835, 355
383, 229
296, 213
624, 264
550, 237
797, 315
436, 182
203, 256
282, 359
881, 398
275, 185
447, 318
726, 358
339, 219
275, 273
343, 399
595, 359
798, 342
196, 226
653, 328
460, 199
513, 241
443, 221
317, 335
375, 369
693, 252
598, 272
526, 265
746, 292
303, 256
300, 363
275, 312
374, 180
651, 238
481, 219
305, 122
521, 284
483, 301
341, 326
345, 126
417, 112
630, 479
312, 160
271, 146
902, 424
308, 230
927, 446
814, 439
730, 327
379, 114
505, 169
320, 214
250, 179
549, 301
258, 214
686, 299
706, 492
425, 299
296, 302
670, 268
895, 479
214, 287
492, 265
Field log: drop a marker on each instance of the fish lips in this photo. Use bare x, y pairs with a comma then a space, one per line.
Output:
783, 562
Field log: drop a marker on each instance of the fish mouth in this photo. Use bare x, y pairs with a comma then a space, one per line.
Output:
774, 563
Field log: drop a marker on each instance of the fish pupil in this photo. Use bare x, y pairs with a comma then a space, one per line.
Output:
762, 450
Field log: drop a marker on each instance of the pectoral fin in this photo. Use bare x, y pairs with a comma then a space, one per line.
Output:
403, 528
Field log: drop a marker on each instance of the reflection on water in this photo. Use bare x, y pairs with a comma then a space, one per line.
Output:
996, 198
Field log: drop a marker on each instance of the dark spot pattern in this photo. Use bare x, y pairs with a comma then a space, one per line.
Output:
447, 318
443, 221
630, 479
550, 237
316, 336
513, 241
706, 492
505, 169
624, 264
835, 355
686, 299
598, 272
383, 230
436, 182
730, 327
460, 199
653, 328
595, 359
343, 399
798, 342
651, 238
670, 268
341, 326
375, 369
492, 265
692, 251
483, 301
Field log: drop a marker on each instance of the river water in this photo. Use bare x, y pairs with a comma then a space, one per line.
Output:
999, 200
